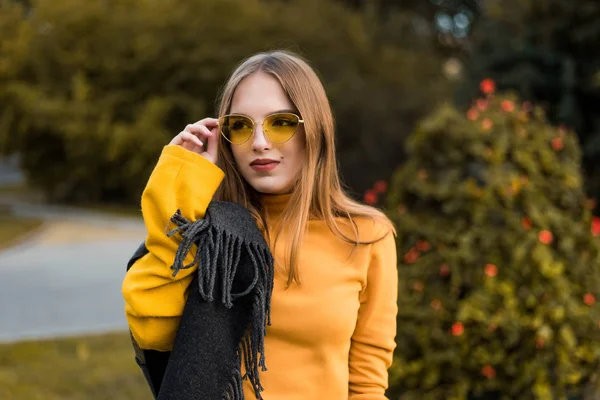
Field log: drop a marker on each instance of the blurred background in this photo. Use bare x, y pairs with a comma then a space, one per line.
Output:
473, 123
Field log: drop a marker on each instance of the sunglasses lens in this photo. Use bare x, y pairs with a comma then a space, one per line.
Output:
236, 128
280, 128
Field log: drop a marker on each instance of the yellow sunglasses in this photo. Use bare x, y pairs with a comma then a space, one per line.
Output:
278, 127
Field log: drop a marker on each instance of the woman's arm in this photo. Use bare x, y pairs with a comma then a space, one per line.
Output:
154, 299
373, 343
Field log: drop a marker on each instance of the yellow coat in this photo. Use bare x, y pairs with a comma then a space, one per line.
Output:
331, 337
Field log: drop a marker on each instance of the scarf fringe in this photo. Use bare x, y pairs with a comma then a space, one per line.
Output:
219, 253
235, 389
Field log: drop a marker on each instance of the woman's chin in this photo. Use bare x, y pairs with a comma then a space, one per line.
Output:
269, 186
271, 190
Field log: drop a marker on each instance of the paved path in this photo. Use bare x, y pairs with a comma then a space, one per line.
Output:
66, 278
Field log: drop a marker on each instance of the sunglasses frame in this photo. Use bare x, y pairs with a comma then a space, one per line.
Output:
255, 123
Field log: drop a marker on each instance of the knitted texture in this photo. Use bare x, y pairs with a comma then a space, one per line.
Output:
226, 313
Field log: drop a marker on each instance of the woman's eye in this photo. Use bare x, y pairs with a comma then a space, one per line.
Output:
238, 125
283, 122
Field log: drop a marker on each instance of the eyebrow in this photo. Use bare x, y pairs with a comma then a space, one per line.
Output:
286, 110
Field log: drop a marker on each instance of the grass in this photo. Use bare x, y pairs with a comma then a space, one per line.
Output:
99, 367
16, 189
13, 228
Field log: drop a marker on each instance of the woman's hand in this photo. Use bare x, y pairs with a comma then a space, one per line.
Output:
201, 137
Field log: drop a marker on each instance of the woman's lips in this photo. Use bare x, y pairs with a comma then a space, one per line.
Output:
264, 167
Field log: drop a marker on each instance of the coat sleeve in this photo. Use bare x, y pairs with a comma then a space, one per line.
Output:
373, 340
154, 299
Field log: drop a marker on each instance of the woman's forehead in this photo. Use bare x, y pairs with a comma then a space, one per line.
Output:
260, 94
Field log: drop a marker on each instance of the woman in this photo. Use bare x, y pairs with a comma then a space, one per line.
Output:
333, 307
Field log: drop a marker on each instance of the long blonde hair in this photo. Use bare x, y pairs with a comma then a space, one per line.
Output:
318, 193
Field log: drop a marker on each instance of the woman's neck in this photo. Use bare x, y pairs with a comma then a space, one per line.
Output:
275, 204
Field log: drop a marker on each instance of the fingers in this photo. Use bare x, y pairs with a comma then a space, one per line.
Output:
203, 127
213, 142
201, 137
208, 122
198, 129
208, 129
189, 137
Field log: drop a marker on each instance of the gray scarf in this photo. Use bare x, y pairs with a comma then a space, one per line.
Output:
226, 313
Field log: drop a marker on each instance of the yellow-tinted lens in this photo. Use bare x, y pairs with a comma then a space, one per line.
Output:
280, 128
236, 128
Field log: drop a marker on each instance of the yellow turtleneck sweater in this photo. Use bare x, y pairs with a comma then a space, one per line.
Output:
331, 337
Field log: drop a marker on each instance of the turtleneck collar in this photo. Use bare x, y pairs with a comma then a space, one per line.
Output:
275, 204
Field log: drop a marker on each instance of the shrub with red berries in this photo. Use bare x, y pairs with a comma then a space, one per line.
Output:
372, 195
499, 258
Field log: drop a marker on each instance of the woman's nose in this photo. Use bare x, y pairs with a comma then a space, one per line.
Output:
259, 139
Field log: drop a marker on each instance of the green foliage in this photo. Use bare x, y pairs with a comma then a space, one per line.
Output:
545, 50
13, 229
91, 90
498, 264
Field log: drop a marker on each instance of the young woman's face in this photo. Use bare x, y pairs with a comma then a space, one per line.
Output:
270, 168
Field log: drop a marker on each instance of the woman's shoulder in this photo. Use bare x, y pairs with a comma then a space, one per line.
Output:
368, 228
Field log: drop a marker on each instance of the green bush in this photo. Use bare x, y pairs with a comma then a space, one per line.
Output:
498, 264
91, 90
542, 50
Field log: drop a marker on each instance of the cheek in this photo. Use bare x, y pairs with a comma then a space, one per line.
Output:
296, 156
300, 149
240, 165
238, 153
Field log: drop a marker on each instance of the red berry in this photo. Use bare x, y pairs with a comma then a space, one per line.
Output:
545, 236
487, 86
